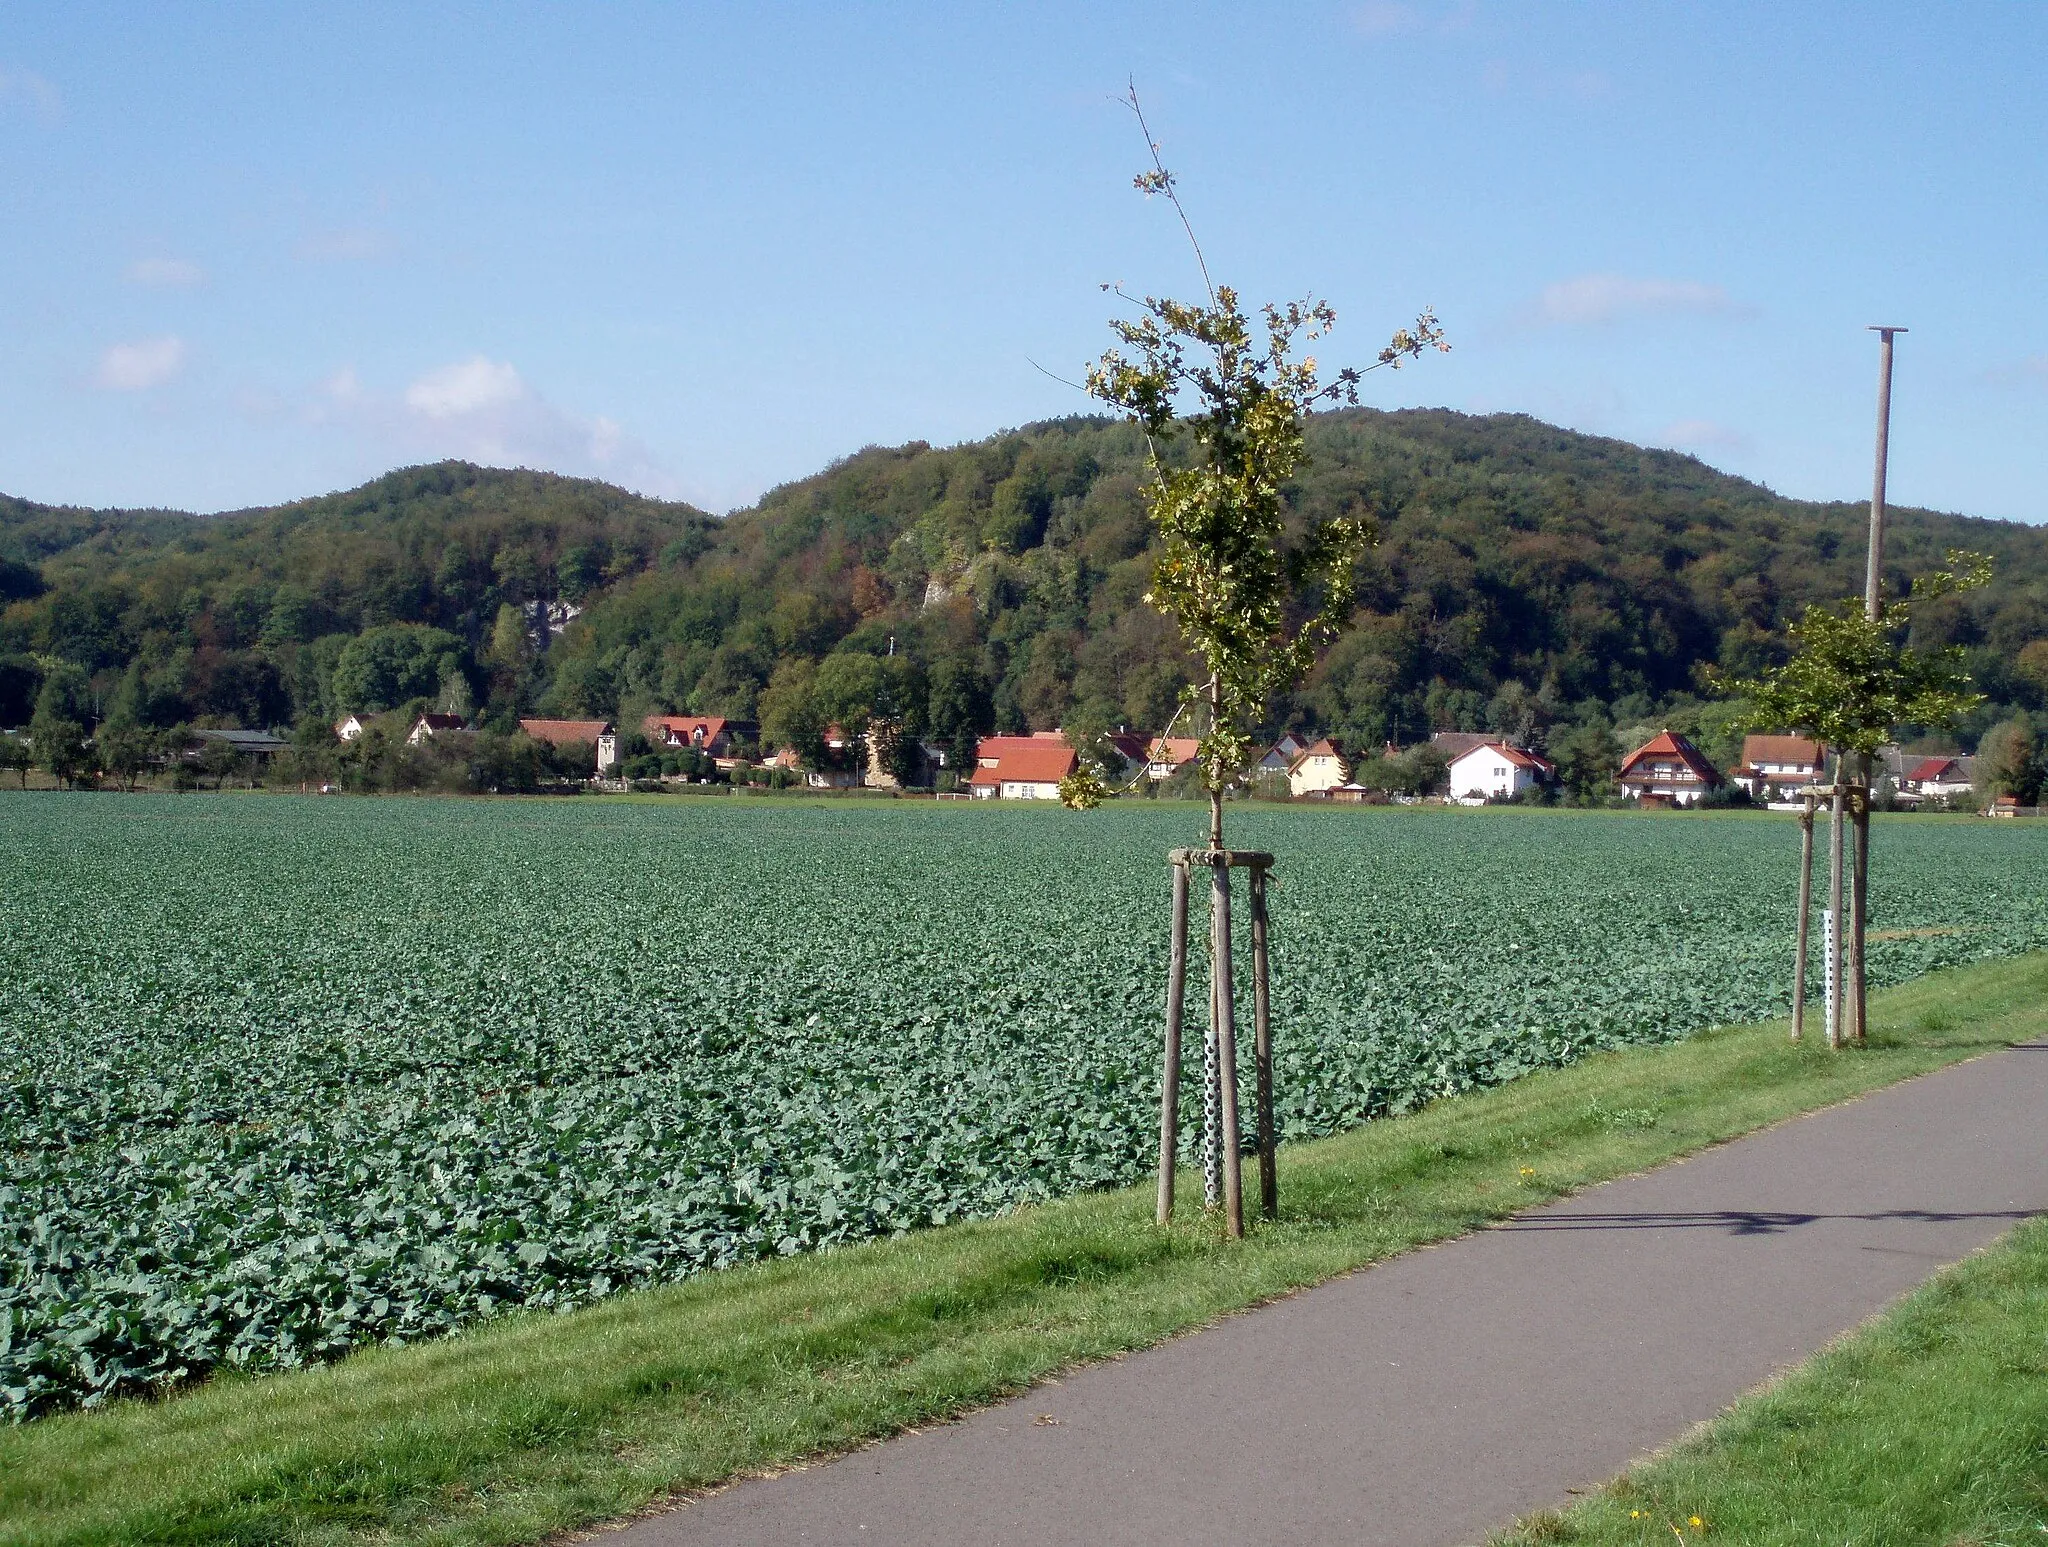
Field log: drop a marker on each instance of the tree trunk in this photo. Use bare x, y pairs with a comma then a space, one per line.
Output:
1215, 774
1223, 1031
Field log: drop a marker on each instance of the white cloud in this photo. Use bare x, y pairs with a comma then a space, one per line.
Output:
1593, 299
28, 91
1702, 435
165, 274
483, 410
136, 367
466, 387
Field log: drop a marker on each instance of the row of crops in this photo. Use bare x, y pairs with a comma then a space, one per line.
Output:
281, 1077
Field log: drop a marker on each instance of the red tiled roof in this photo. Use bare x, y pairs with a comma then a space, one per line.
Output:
681, 729
1673, 748
1173, 750
1040, 759
1930, 768
565, 733
1130, 746
1757, 750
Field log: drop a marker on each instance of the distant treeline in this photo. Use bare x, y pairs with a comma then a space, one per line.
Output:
1543, 584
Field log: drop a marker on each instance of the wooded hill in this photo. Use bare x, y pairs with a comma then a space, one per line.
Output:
1528, 580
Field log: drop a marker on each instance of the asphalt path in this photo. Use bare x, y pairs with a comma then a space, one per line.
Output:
1443, 1393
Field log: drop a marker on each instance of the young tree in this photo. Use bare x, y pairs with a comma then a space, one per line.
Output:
57, 730
1221, 401
16, 754
1253, 600
1851, 681
125, 749
2009, 762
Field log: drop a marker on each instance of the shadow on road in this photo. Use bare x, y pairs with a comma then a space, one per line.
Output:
1744, 1221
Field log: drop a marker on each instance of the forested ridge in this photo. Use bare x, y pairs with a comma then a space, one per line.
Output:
1528, 579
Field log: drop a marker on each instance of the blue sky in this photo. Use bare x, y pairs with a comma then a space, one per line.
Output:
252, 253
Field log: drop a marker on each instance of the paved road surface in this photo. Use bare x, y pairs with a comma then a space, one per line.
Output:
1442, 1394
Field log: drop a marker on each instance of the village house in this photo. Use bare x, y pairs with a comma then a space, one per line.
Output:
350, 726
597, 734
1667, 770
1455, 744
1319, 769
1282, 755
241, 742
1938, 778
713, 735
428, 726
1130, 749
1493, 770
1166, 753
1774, 766
1021, 767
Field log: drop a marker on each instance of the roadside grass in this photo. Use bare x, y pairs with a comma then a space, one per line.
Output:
1927, 1425
536, 1424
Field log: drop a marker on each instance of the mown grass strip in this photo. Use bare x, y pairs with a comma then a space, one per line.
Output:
1929, 1425
536, 1424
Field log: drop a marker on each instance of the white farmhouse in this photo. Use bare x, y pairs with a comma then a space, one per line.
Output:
1493, 770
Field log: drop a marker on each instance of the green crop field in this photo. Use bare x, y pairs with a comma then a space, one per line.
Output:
279, 1076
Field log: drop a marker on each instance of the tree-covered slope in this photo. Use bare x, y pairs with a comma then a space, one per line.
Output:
1528, 579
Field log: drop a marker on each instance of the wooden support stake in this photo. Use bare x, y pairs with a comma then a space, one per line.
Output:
1834, 938
1859, 908
1262, 1051
1169, 1074
1805, 911
1223, 1028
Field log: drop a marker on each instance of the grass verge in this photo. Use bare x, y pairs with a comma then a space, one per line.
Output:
535, 1424
1929, 1425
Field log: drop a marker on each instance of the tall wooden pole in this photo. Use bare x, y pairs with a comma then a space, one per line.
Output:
1262, 1052
1805, 911
1223, 1030
1873, 607
1169, 1074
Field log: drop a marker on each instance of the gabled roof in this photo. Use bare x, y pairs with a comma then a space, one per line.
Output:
441, 722
1757, 750
683, 728
1173, 750
566, 733
1326, 747
1514, 755
1455, 744
1668, 746
1130, 746
1042, 759
1282, 753
1929, 769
